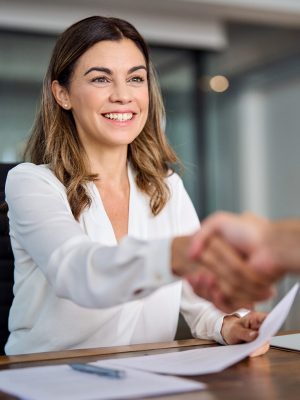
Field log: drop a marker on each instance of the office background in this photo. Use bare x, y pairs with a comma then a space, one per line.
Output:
230, 77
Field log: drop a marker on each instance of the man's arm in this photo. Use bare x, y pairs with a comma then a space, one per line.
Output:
279, 251
273, 244
269, 250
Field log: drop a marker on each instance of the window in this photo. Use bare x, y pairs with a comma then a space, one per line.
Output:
24, 63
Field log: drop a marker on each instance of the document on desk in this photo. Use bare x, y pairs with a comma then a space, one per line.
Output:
288, 342
213, 359
60, 382
63, 383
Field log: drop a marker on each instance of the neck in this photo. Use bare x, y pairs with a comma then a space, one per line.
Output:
110, 166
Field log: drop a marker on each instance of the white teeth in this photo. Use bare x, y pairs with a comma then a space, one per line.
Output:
119, 117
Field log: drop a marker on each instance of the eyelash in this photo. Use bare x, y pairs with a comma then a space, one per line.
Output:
137, 79
104, 79
100, 79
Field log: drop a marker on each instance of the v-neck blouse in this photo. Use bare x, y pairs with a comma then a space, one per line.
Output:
133, 214
76, 287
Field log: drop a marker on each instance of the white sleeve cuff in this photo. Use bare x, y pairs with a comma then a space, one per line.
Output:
241, 312
160, 261
218, 327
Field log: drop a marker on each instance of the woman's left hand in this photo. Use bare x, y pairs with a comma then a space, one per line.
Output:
238, 330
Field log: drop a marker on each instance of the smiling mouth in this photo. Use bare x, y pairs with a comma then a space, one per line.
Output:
119, 116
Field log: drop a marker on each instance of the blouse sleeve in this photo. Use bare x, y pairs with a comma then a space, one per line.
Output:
79, 269
204, 320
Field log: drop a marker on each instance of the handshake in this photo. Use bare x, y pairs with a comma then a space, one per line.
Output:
234, 260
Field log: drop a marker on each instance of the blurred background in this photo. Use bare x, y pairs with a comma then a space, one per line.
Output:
230, 76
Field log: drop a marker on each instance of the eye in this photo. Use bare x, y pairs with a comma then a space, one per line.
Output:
100, 79
137, 79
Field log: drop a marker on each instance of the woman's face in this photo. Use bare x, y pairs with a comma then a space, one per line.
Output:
108, 93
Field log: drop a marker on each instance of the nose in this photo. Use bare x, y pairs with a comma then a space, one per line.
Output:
121, 93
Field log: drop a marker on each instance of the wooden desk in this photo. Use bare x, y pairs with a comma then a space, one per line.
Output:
274, 376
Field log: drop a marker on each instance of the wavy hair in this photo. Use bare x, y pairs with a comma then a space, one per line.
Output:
54, 139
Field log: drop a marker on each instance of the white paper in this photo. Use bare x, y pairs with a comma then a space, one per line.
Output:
63, 383
290, 342
213, 359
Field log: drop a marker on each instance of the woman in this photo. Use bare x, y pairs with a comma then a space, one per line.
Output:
99, 224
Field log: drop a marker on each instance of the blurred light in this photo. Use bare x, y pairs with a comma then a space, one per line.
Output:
219, 83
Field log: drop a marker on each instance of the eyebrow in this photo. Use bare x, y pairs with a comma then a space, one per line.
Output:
109, 72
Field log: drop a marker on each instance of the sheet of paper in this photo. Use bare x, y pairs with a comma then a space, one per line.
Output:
62, 383
290, 342
213, 359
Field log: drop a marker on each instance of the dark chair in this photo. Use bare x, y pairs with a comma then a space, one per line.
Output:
6, 262
183, 330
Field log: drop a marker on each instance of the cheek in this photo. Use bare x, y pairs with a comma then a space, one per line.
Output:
145, 108
143, 99
146, 99
85, 99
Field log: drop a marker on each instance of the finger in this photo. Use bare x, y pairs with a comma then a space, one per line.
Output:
230, 282
227, 304
244, 335
234, 332
205, 285
233, 292
211, 225
260, 351
233, 272
228, 262
228, 288
254, 320
202, 282
216, 260
197, 245
263, 262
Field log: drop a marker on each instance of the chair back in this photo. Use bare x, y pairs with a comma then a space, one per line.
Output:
6, 262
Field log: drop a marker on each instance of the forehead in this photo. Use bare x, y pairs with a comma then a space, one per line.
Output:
107, 53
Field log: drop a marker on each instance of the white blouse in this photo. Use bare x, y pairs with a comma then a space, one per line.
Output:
76, 287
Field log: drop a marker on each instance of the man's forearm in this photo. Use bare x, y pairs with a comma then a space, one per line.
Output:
284, 242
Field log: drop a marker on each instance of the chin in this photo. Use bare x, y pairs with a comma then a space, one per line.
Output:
125, 139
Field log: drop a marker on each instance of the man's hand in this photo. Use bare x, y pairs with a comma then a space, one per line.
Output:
226, 279
265, 245
245, 232
220, 274
234, 259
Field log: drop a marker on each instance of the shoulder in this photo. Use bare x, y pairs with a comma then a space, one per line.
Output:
28, 167
32, 174
182, 206
174, 181
178, 193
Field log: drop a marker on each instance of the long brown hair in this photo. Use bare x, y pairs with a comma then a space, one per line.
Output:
54, 139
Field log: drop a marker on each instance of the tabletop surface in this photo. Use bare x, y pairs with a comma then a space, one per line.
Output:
275, 375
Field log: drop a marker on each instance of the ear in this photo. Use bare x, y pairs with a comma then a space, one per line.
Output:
61, 95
